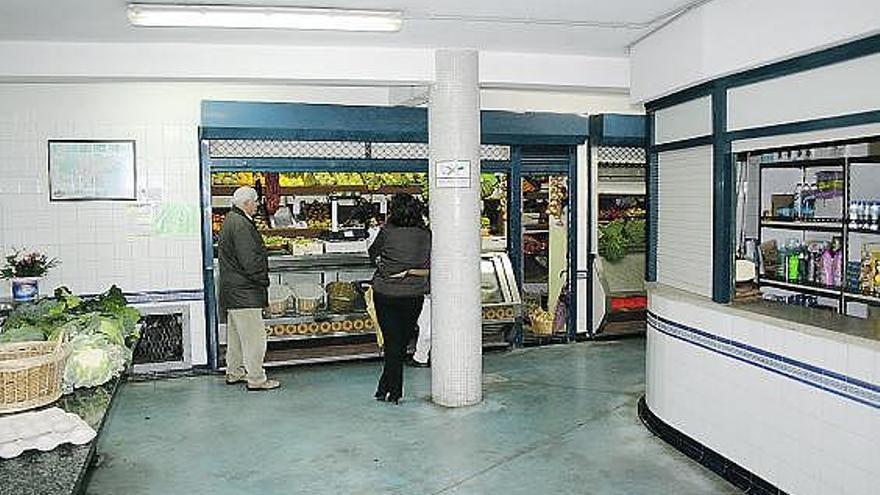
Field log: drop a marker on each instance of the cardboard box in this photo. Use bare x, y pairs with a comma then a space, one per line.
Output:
778, 201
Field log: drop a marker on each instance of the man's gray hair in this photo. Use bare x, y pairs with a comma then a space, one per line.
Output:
242, 195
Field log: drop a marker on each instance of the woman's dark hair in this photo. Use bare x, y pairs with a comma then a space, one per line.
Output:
406, 211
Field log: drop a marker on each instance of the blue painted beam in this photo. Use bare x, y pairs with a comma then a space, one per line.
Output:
302, 121
617, 130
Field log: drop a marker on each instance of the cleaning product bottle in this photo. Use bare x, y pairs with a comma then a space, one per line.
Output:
793, 264
828, 267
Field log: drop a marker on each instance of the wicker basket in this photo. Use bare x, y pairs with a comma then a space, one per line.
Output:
542, 327
30, 374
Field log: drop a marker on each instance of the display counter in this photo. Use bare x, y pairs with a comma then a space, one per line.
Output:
790, 396
64, 470
341, 329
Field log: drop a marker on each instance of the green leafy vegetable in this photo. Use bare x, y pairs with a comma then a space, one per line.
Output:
24, 333
612, 241
94, 360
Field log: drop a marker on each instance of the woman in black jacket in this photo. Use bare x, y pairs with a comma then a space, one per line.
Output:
402, 255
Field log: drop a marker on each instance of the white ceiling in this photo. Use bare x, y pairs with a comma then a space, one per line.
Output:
584, 27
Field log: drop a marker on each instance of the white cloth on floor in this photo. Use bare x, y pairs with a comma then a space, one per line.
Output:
423, 344
41, 430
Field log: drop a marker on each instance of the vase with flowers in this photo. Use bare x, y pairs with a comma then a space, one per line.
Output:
25, 270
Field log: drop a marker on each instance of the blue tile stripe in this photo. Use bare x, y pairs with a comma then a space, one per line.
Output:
829, 381
164, 296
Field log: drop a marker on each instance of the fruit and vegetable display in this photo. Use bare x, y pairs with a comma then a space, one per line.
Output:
275, 242
316, 214
368, 180
619, 236
868, 270
541, 321
533, 245
235, 178
558, 196
100, 331
617, 207
217, 222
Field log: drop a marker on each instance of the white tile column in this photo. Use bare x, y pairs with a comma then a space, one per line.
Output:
456, 313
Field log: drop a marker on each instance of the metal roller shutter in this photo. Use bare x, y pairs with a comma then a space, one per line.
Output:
684, 219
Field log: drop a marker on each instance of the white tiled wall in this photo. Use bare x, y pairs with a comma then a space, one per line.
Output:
103, 243
800, 438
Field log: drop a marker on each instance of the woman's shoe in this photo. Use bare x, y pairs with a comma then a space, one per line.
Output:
382, 396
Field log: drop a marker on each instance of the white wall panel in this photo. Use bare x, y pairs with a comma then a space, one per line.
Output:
684, 220
836, 134
687, 120
727, 36
839, 89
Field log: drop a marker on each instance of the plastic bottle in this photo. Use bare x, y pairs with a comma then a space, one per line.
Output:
828, 268
782, 265
875, 215
798, 200
854, 215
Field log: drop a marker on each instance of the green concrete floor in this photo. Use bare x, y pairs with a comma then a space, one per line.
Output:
555, 420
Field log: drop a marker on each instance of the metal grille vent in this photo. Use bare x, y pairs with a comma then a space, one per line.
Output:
616, 156
161, 339
259, 148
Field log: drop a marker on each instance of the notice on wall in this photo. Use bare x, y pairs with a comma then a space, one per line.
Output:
453, 174
176, 220
91, 170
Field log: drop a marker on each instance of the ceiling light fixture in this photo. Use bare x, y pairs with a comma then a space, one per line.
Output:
252, 17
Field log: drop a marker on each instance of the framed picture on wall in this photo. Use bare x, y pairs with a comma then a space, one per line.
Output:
92, 170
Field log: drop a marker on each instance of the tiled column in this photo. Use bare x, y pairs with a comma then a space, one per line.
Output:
456, 315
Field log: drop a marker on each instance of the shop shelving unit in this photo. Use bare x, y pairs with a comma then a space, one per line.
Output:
837, 226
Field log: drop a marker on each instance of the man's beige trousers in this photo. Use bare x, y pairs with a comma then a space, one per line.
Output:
245, 345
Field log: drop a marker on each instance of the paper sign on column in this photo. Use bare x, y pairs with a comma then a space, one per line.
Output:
453, 174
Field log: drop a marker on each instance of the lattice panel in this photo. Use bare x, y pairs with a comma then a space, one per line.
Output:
399, 151
494, 152
621, 156
161, 339
259, 148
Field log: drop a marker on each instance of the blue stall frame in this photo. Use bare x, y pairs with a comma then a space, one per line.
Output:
313, 122
620, 130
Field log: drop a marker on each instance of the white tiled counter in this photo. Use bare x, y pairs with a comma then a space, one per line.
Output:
790, 401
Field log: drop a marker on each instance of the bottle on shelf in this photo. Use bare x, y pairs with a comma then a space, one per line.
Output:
853, 215
798, 200
875, 216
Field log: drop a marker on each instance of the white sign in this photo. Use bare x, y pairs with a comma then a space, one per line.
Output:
92, 170
453, 174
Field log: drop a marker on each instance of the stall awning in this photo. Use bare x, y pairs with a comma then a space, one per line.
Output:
314, 122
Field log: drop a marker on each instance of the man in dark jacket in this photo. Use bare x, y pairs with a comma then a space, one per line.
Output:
244, 283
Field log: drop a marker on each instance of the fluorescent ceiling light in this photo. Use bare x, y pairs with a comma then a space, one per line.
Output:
251, 17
